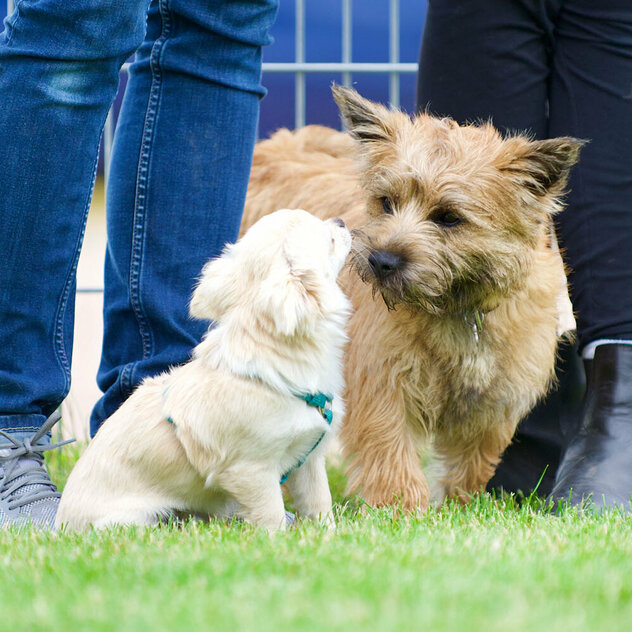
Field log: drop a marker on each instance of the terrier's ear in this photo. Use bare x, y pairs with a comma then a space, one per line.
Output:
366, 121
217, 288
543, 165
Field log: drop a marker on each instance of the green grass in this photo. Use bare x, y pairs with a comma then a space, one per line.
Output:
495, 565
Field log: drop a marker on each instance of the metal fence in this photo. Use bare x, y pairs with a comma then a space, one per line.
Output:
299, 67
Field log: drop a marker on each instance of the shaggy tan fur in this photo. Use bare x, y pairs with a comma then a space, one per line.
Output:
461, 220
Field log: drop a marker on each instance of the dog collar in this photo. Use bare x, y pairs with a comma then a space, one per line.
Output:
322, 401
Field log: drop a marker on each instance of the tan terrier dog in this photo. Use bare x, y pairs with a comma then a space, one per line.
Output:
454, 279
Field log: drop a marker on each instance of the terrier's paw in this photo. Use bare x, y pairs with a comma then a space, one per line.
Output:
409, 499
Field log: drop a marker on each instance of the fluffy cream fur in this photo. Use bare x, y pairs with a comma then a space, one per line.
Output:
236, 424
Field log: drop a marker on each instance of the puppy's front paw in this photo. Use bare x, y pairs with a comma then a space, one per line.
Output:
328, 521
323, 517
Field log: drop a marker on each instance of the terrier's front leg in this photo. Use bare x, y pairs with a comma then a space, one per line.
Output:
384, 463
309, 487
470, 462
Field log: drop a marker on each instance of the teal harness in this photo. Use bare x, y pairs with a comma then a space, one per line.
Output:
321, 401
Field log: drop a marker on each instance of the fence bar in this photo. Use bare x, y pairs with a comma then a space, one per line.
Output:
346, 39
362, 67
393, 56
299, 56
10, 7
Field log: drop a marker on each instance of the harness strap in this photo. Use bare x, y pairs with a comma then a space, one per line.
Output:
319, 401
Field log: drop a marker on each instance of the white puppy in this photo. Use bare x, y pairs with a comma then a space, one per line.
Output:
217, 434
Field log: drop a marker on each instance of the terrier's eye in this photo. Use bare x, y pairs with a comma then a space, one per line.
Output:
387, 205
447, 218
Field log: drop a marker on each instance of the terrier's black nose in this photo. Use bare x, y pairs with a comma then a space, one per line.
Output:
384, 263
339, 222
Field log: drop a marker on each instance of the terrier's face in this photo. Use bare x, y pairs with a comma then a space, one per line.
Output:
456, 213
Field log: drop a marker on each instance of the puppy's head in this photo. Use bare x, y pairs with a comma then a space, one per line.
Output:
281, 275
456, 213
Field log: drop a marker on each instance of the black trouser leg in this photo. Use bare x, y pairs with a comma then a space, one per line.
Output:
591, 97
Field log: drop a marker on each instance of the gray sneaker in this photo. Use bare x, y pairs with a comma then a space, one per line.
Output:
27, 495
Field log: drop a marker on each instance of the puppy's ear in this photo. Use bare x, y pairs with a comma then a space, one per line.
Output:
542, 165
216, 289
287, 301
366, 121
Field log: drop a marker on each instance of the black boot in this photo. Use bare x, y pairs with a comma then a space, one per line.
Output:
597, 463
532, 458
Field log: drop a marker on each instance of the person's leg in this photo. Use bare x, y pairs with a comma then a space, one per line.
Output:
490, 59
487, 59
59, 64
181, 162
591, 98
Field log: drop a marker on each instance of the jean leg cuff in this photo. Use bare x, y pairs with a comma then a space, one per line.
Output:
24, 425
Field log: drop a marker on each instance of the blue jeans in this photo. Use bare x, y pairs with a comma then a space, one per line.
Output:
178, 181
